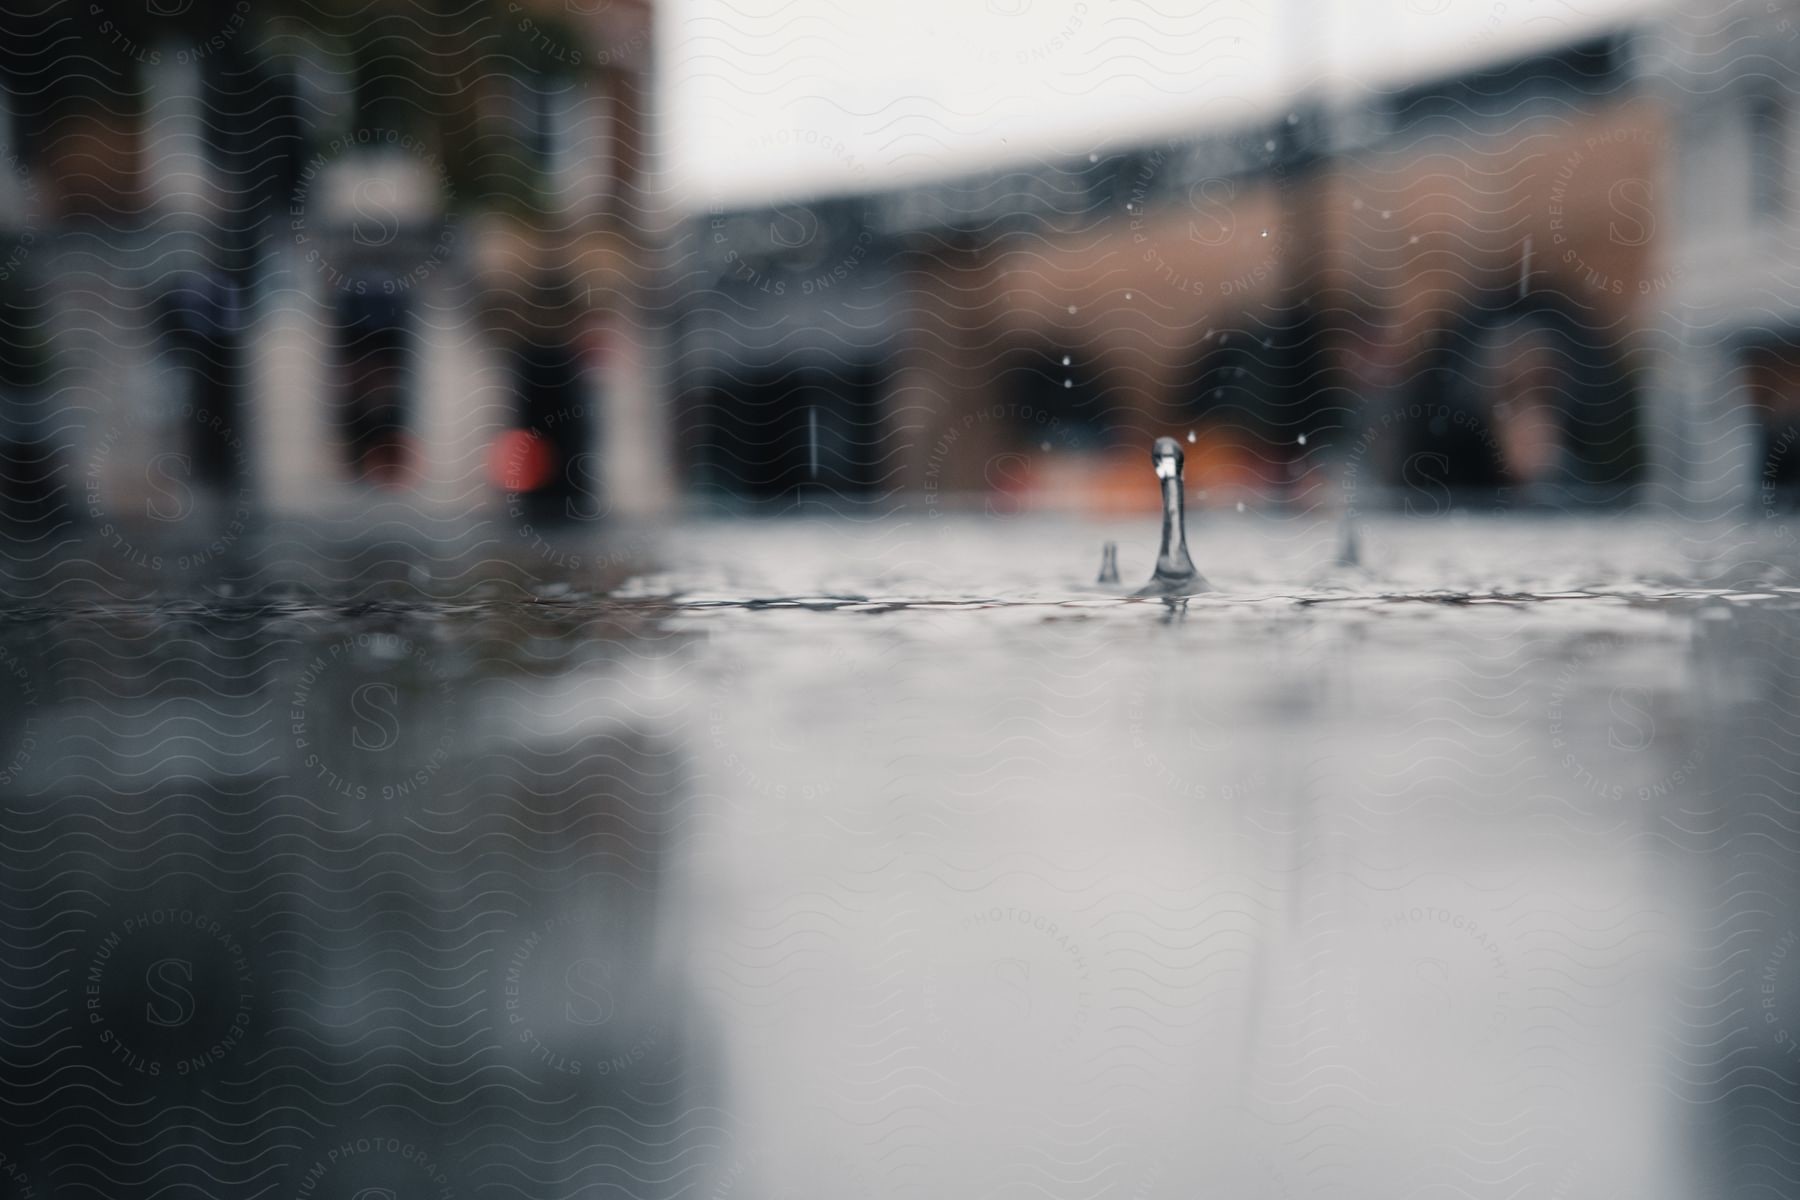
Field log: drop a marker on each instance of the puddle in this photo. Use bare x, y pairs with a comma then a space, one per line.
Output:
907, 854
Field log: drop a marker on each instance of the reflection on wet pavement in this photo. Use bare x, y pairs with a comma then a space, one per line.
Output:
879, 861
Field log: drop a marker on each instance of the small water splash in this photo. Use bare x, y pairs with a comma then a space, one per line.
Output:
1109, 563
1175, 574
1349, 545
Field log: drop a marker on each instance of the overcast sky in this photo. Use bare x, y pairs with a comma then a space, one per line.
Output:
770, 98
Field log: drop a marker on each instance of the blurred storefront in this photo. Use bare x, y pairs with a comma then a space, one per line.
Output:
283, 262
1459, 280
1731, 398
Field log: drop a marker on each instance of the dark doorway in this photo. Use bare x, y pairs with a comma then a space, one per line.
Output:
795, 430
1059, 383
557, 411
373, 408
202, 324
1523, 394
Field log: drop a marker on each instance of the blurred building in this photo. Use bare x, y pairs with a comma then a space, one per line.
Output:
272, 259
1453, 287
1731, 403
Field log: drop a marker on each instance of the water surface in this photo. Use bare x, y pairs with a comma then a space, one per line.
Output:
831, 858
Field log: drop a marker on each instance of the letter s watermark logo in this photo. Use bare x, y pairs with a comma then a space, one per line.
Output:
590, 1000
375, 707
582, 474
170, 497
374, 222
1632, 729
1633, 203
1423, 476
1213, 223
172, 1004
1014, 977
1007, 476
794, 226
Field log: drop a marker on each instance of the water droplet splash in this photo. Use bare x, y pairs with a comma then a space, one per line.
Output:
1109, 563
1175, 574
1350, 546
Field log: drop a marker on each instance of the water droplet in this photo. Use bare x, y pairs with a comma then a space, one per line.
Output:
1065, 360
1128, 295
1071, 308
1269, 145
1240, 506
1190, 437
1413, 241
1093, 158
1068, 383
1387, 212
1265, 233
1044, 446
1175, 574
1303, 439
1293, 118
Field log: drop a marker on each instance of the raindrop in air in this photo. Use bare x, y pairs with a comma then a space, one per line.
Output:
1303, 439
1240, 506
1065, 360
1190, 437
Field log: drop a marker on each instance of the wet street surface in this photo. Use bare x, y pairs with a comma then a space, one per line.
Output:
834, 859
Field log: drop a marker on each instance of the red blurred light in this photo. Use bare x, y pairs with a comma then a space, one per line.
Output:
521, 461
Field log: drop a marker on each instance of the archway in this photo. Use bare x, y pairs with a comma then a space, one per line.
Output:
1525, 398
